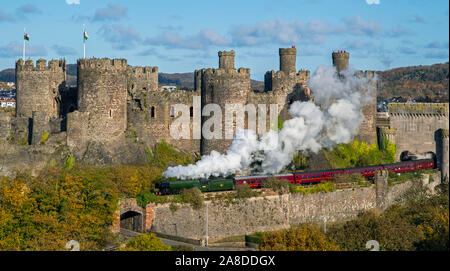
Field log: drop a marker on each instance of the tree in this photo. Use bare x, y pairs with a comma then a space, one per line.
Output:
146, 242
303, 238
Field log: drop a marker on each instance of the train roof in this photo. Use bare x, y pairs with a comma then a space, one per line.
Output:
262, 176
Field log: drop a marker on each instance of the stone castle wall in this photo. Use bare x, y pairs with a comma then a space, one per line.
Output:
275, 212
417, 125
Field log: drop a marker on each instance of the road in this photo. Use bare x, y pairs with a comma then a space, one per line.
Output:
196, 247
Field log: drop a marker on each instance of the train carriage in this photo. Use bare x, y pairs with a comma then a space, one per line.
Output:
303, 178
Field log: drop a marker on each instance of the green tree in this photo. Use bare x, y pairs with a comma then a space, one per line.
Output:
303, 238
146, 242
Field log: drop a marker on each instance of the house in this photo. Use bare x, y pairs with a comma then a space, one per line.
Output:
8, 103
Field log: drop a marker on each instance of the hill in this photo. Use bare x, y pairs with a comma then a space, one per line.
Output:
7, 75
415, 81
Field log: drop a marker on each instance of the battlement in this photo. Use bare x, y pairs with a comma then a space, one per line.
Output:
340, 60
301, 74
341, 54
103, 64
226, 59
418, 109
143, 70
288, 51
288, 57
241, 72
41, 65
227, 53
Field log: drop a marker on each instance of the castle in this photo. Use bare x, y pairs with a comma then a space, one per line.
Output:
116, 111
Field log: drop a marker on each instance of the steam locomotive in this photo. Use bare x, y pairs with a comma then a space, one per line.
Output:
301, 178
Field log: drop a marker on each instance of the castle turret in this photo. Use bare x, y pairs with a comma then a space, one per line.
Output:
340, 60
226, 60
102, 91
287, 59
443, 154
386, 134
224, 86
39, 87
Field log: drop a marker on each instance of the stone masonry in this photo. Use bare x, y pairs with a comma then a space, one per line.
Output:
117, 111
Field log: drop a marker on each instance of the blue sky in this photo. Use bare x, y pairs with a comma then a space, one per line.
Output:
181, 36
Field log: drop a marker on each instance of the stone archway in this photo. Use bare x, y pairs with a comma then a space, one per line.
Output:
131, 220
132, 217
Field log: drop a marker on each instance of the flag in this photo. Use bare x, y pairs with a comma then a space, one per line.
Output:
26, 37
85, 36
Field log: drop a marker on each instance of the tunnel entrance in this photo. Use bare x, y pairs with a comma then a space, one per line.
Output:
131, 221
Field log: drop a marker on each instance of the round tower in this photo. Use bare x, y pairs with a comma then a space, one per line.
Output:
38, 87
287, 59
385, 134
340, 60
223, 87
102, 92
444, 155
226, 60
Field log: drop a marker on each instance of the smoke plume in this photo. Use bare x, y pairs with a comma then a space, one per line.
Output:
333, 118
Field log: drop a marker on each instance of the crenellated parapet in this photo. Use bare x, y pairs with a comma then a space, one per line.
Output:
418, 109
341, 60
98, 64
142, 79
279, 80
226, 59
41, 65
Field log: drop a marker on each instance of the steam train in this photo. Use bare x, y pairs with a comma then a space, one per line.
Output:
300, 178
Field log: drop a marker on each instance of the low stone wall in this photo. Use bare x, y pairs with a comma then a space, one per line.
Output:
276, 212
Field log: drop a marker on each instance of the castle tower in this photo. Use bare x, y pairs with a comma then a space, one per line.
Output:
443, 154
340, 60
226, 60
102, 92
39, 87
385, 134
223, 86
287, 59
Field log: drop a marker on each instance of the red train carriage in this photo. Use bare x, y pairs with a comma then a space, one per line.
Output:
313, 177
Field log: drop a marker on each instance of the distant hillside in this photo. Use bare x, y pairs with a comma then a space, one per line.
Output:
7, 75
415, 81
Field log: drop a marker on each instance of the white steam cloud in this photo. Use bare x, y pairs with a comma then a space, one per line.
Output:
311, 128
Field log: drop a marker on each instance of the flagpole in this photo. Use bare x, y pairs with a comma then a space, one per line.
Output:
24, 32
84, 42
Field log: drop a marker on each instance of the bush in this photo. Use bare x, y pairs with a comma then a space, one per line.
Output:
318, 188
193, 196
359, 154
145, 197
165, 155
146, 242
244, 191
280, 186
303, 238
393, 232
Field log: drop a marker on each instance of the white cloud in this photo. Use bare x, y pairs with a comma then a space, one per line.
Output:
73, 2
371, 2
